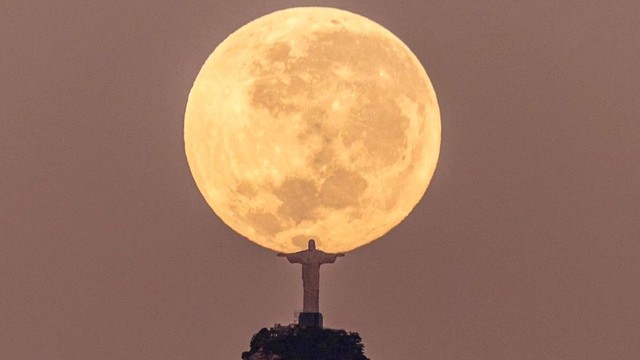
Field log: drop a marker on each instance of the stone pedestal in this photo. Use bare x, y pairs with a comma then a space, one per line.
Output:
310, 319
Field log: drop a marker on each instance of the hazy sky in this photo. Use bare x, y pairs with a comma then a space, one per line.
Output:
526, 245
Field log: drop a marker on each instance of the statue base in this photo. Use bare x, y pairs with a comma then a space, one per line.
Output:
309, 319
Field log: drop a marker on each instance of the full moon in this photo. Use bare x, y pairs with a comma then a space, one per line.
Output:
312, 123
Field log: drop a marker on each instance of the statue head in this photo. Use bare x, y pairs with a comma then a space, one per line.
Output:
312, 244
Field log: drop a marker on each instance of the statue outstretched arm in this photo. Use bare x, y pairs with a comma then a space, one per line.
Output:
294, 258
330, 258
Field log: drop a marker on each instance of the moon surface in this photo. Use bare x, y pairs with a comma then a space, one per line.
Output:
312, 123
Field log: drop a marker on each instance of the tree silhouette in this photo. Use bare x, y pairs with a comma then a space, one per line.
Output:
294, 343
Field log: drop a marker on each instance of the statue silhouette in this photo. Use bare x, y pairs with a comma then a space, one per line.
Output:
311, 259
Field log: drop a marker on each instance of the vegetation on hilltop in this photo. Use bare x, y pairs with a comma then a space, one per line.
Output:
296, 343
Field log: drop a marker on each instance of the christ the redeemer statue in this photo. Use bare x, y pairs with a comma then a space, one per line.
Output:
311, 259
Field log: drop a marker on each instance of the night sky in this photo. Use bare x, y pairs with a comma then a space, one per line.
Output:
525, 246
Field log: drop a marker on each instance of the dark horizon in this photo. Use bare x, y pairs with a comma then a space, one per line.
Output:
525, 246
